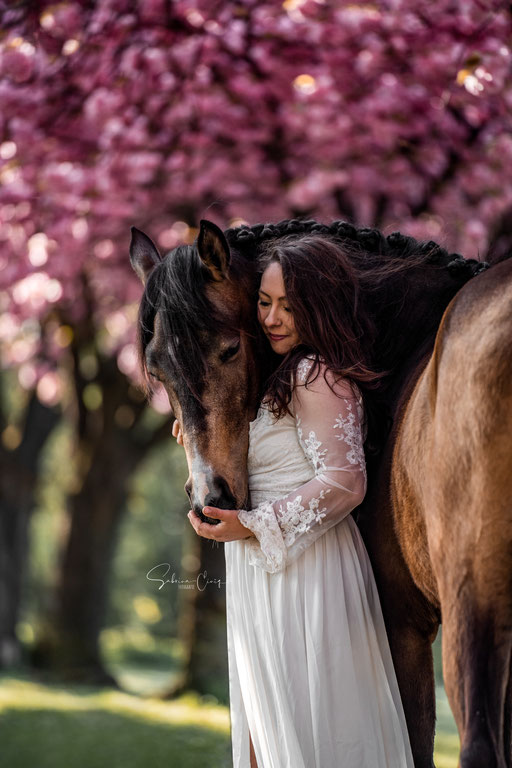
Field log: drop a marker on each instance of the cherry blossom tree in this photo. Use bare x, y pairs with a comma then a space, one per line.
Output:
157, 113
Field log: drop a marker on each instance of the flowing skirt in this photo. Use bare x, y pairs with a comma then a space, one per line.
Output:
310, 671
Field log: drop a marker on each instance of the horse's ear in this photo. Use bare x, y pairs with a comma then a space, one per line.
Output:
144, 255
213, 249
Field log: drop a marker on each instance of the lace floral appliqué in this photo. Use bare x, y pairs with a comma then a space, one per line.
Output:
303, 369
351, 435
276, 532
268, 550
297, 519
311, 446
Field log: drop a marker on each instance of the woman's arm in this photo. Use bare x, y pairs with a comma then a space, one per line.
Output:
330, 433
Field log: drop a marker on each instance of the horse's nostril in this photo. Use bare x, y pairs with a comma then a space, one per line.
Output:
224, 491
188, 488
220, 495
199, 512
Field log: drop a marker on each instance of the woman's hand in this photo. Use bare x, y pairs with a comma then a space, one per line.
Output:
176, 432
229, 529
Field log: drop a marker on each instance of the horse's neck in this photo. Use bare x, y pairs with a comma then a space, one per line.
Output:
408, 320
407, 375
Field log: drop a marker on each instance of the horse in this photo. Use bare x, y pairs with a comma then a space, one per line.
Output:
197, 336
451, 490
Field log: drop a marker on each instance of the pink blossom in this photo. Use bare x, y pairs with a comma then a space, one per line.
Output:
16, 65
156, 114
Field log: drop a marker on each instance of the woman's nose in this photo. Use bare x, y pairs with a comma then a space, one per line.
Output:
272, 317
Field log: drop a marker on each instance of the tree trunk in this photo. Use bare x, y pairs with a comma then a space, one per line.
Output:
95, 514
18, 478
107, 456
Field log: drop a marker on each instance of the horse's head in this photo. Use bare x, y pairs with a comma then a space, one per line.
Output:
198, 337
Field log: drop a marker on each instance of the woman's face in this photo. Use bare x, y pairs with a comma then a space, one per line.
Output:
274, 314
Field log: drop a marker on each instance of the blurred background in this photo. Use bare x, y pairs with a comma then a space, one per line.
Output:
155, 113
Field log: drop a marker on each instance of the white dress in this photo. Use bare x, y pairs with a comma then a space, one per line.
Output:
310, 671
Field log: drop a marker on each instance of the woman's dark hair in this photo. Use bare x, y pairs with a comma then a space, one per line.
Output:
323, 293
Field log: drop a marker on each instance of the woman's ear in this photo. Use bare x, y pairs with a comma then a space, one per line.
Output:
144, 255
213, 250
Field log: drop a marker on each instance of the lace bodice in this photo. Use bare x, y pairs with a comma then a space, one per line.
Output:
306, 472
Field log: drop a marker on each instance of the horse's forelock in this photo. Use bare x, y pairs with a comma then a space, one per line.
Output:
177, 288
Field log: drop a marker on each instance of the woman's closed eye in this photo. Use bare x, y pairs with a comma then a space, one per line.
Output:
263, 303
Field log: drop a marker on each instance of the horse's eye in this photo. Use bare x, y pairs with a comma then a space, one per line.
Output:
153, 376
230, 352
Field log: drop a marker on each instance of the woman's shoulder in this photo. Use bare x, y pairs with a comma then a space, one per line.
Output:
306, 377
304, 368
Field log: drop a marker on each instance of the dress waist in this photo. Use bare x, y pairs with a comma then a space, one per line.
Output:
261, 496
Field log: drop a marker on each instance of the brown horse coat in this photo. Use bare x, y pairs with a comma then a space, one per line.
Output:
451, 503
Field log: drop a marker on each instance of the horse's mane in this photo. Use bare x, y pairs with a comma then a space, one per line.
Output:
375, 247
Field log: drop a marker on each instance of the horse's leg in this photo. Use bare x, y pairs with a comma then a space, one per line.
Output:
477, 653
471, 545
412, 657
508, 717
411, 625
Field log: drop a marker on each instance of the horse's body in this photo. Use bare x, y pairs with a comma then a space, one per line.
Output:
451, 498
404, 534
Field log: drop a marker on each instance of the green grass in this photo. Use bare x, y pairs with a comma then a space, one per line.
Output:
55, 726
447, 743
447, 739
51, 726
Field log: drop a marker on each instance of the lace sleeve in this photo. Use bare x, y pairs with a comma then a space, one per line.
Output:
329, 430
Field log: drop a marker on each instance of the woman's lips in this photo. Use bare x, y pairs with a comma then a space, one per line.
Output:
275, 337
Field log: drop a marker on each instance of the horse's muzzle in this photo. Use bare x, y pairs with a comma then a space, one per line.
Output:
219, 495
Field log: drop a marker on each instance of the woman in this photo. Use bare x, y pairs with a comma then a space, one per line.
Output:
312, 683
